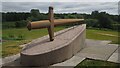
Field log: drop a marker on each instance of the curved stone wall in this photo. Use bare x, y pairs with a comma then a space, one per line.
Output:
67, 43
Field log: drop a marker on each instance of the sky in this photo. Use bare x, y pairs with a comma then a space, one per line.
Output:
61, 7
60, 0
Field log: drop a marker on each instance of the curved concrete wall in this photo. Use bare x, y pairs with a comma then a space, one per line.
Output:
59, 53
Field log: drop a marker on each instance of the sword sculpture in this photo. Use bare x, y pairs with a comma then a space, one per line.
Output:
49, 24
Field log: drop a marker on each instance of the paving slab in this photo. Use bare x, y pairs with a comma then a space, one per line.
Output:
115, 56
16, 62
75, 60
91, 42
118, 50
10, 58
97, 50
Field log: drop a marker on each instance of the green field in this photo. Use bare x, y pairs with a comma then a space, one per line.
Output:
15, 37
11, 44
103, 35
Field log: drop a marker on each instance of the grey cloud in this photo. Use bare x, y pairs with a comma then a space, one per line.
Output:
119, 8
62, 7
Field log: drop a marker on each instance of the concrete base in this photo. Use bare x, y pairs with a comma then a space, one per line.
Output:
42, 52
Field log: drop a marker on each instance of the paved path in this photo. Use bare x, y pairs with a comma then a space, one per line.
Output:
115, 56
71, 62
10, 58
94, 49
97, 50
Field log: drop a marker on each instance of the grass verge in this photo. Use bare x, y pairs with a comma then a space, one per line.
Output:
91, 63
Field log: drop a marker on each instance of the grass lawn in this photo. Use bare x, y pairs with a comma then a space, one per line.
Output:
98, 35
90, 63
10, 47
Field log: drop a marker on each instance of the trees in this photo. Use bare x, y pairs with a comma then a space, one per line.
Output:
35, 12
94, 14
95, 19
14, 16
91, 22
104, 20
34, 15
21, 23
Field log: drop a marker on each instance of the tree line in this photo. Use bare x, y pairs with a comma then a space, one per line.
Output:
35, 15
96, 19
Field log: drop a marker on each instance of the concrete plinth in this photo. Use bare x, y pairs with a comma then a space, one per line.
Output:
42, 52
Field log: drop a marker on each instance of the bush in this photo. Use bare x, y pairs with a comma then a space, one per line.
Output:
91, 22
104, 20
6, 25
116, 27
21, 23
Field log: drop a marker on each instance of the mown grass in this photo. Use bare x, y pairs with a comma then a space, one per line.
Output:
91, 63
10, 47
95, 34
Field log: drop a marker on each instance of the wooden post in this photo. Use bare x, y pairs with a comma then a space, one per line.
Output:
51, 27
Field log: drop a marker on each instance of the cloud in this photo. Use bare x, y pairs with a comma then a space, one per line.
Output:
60, 0
61, 7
